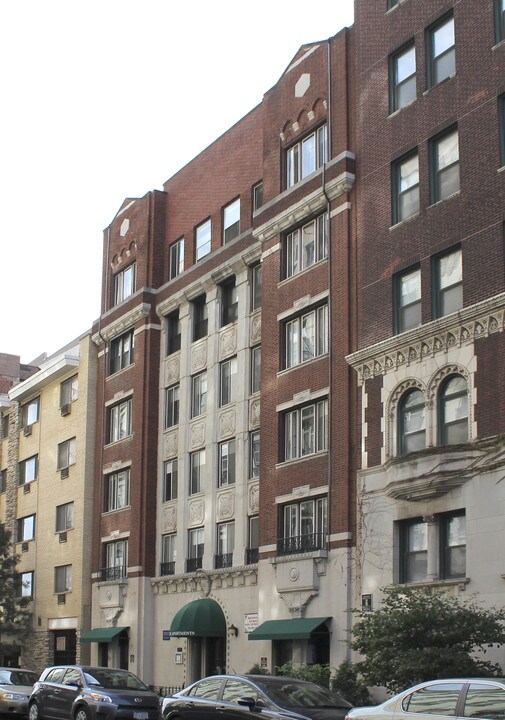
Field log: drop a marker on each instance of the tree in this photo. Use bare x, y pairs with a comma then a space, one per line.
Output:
421, 634
15, 619
349, 684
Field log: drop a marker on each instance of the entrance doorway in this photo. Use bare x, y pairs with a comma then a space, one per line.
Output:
64, 648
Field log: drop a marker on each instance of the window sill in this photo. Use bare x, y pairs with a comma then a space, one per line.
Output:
449, 197
442, 82
399, 111
302, 272
395, 7
290, 463
498, 45
305, 363
117, 510
501, 169
118, 372
400, 223
438, 582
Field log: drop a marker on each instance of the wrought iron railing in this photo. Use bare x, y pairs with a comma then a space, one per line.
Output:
167, 568
225, 560
193, 564
251, 556
301, 543
118, 572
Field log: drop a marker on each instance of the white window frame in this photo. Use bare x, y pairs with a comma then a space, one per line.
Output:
227, 381
176, 258
67, 452
170, 480
203, 239
196, 545
196, 465
306, 156
64, 517
437, 55
306, 430
28, 470
69, 390
171, 406
305, 517
255, 369
254, 454
124, 283
404, 77
405, 186
199, 394
306, 336
226, 537
120, 420
63, 579
169, 548
445, 164
116, 554
231, 221
118, 490
122, 352
30, 412
25, 528
227, 463
306, 245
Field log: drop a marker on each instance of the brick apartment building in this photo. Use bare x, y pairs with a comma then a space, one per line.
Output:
430, 277
299, 355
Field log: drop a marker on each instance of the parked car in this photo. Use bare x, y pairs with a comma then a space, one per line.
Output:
453, 698
244, 697
15, 688
76, 692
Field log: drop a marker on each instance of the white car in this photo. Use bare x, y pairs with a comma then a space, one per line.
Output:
482, 698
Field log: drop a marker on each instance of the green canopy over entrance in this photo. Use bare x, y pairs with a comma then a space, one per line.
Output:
199, 618
295, 629
101, 634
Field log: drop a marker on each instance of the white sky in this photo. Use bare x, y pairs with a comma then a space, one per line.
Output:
107, 99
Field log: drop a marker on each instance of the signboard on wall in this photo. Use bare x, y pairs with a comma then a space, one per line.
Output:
250, 622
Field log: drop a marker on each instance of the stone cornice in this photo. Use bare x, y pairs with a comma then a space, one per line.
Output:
206, 581
316, 201
455, 330
119, 326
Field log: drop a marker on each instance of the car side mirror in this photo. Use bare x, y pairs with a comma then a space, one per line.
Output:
249, 702
74, 683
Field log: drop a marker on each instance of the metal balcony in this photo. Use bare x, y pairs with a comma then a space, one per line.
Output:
223, 561
167, 568
301, 543
117, 572
251, 556
193, 564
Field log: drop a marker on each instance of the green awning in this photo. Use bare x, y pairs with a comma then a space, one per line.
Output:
101, 634
295, 629
199, 618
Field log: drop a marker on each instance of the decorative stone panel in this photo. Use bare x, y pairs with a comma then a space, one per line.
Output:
225, 506
199, 357
196, 512
228, 342
197, 435
227, 424
169, 519
254, 413
253, 498
255, 329
171, 444
172, 369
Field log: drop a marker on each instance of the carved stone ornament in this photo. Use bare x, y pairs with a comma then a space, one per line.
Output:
225, 506
172, 369
197, 435
196, 512
199, 357
253, 498
254, 413
169, 520
228, 342
171, 444
255, 329
227, 424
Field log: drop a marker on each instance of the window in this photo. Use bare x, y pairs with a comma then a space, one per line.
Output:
306, 336
229, 302
253, 541
484, 700
124, 284
25, 528
170, 480
168, 554
116, 559
227, 374
225, 544
28, 470
446, 547
500, 20
407, 301
257, 196
176, 258
63, 579
405, 182
120, 421
195, 549
64, 517
447, 283
118, 490
254, 459
231, 221
226, 474
441, 51
256, 283
306, 156
199, 317
24, 584
196, 465
255, 369
305, 525
501, 123
307, 245
173, 327
434, 699
68, 391
30, 412
66, 454
411, 423
403, 78
3, 481
413, 551
121, 352
198, 394
453, 411
171, 406
203, 239
453, 545
306, 430
444, 157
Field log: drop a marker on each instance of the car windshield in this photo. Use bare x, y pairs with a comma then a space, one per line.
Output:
291, 694
113, 679
17, 677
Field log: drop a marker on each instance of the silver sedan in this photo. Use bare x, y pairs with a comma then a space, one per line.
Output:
15, 688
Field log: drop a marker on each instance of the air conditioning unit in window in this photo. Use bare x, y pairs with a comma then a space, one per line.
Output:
26, 488
64, 473
61, 599
24, 547
63, 536
65, 409
27, 430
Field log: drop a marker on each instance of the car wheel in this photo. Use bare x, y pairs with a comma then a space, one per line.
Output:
82, 713
33, 712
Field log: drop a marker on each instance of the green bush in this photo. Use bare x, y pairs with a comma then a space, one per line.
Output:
349, 684
258, 670
319, 674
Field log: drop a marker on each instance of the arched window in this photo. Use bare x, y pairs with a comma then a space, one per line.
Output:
453, 411
411, 422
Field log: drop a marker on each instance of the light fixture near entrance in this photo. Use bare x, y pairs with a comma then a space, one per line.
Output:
232, 631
